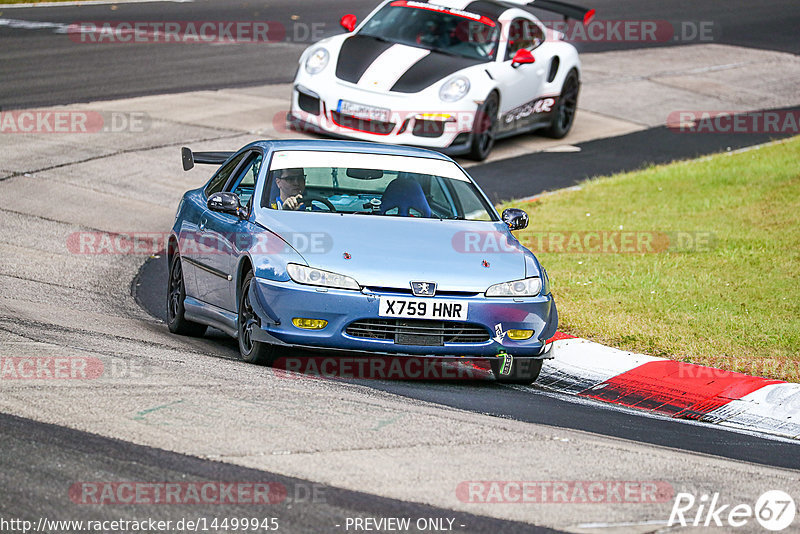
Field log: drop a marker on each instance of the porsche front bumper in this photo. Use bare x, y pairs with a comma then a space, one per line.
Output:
412, 120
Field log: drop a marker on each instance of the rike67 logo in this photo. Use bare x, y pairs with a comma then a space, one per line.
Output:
775, 510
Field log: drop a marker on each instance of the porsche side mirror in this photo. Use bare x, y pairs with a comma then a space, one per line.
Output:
522, 57
225, 202
348, 22
515, 218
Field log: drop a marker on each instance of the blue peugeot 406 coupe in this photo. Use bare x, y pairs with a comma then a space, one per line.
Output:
353, 246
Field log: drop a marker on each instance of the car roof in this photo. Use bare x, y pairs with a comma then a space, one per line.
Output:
331, 145
490, 8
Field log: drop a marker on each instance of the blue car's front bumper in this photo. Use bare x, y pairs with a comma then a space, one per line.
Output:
277, 303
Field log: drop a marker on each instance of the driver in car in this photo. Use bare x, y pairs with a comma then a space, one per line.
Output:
291, 186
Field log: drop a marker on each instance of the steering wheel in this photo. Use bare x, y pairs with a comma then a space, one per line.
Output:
308, 199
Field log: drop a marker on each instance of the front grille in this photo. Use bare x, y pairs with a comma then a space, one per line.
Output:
423, 128
363, 125
308, 103
407, 291
418, 331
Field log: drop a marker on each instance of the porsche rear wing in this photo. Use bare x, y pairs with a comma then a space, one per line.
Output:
569, 11
189, 158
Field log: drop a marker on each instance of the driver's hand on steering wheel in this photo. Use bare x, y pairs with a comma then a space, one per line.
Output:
293, 203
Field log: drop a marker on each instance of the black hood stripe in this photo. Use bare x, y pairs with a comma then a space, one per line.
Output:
430, 69
357, 54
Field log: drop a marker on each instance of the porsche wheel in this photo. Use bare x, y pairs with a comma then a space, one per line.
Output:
484, 130
176, 294
567, 106
523, 371
251, 351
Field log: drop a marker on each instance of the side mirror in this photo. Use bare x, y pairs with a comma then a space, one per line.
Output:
515, 218
225, 202
348, 22
522, 57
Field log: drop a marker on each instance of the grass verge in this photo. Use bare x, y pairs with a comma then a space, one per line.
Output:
697, 261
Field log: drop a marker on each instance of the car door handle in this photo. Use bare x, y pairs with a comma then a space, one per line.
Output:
203, 222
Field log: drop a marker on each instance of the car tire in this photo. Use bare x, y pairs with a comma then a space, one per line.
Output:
567, 106
250, 350
524, 371
176, 295
484, 129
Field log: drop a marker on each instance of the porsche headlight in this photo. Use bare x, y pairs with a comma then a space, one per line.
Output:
317, 60
454, 89
317, 277
527, 287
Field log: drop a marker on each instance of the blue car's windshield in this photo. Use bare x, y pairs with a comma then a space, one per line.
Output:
373, 185
450, 31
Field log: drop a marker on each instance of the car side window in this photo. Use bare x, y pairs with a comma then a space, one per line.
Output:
523, 33
219, 180
244, 184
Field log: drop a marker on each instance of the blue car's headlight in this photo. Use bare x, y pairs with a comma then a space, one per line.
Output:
528, 287
454, 89
317, 277
317, 60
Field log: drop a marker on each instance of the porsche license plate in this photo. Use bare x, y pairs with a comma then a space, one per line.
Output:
362, 111
454, 310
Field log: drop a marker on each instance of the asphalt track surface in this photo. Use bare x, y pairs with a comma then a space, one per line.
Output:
40, 68
31, 449
43, 68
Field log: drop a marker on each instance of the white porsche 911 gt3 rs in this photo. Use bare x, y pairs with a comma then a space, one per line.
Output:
454, 75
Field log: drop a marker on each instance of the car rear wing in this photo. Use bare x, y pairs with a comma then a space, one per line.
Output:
189, 158
569, 11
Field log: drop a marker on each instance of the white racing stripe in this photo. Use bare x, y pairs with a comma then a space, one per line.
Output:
390, 66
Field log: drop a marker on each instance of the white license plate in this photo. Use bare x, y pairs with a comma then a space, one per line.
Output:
423, 308
362, 111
